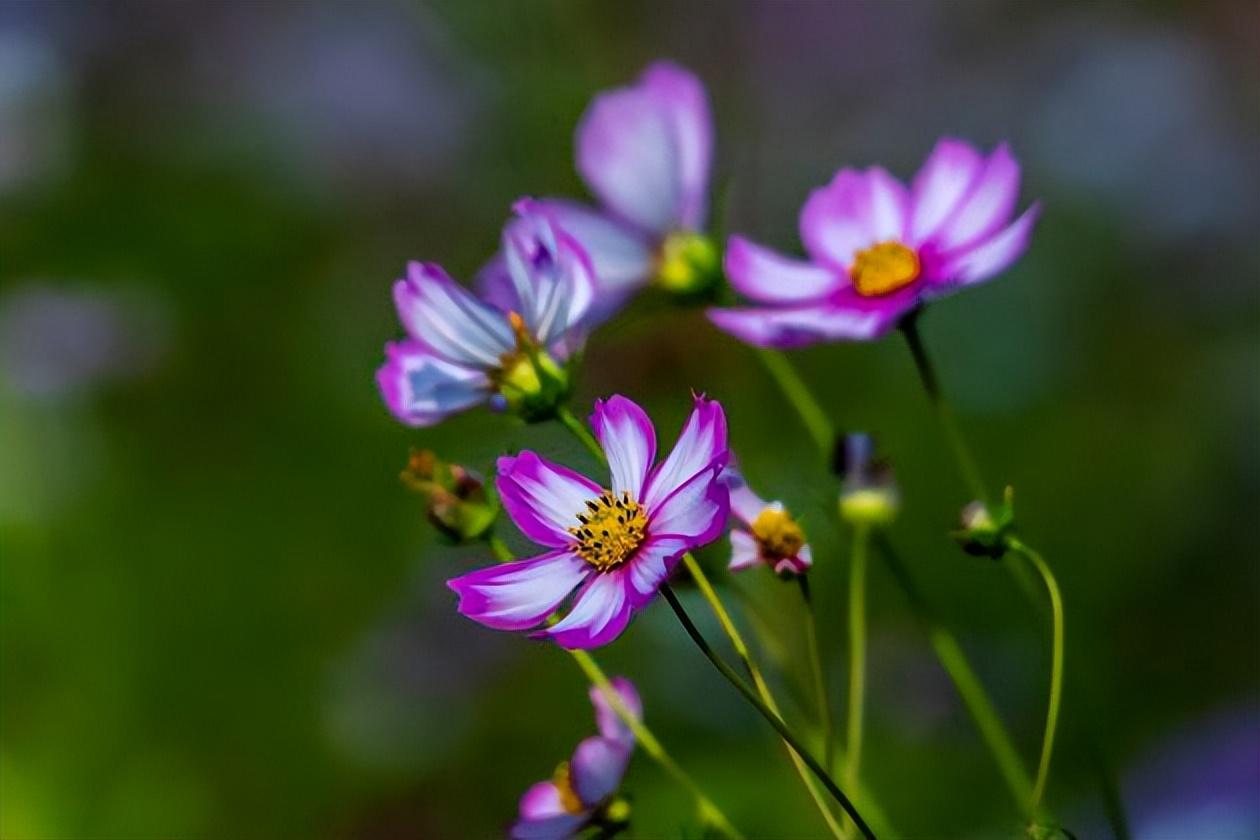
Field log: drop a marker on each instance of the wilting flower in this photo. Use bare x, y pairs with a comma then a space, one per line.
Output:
768, 534
877, 249
462, 351
617, 543
580, 794
868, 492
645, 152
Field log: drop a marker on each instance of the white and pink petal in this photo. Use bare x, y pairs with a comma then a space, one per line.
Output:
448, 320
600, 612
543, 498
767, 276
629, 441
701, 445
521, 594
940, 185
607, 720
596, 769
422, 389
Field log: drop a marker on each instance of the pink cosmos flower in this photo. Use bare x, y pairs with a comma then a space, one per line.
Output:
614, 544
768, 533
645, 152
462, 351
579, 793
877, 249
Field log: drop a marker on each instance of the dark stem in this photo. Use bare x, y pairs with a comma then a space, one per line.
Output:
774, 720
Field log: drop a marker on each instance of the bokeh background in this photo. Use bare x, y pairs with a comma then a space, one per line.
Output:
222, 616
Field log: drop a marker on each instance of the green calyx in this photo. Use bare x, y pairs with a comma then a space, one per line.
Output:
986, 530
532, 384
688, 264
457, 502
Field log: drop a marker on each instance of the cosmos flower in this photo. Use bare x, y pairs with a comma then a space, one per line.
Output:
767, 534
645, 153
878, 249
580, 794
614, 544
462, 351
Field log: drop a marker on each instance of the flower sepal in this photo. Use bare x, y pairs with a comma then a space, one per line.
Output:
986, 530
531, 384
456, 499
689, 265
612, 819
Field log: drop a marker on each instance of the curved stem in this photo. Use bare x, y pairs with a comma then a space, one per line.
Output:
644, 737
1056, 668
927, 375
857, 656
820, 677
581, 432
774, 720
798, 393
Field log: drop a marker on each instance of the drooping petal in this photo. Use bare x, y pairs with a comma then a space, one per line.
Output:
621, 256
940, 185
629, 157
681, 96
855, 211
421, 389
629, 442
696, 511
550, 272
745, 553
607, 720
448, 320
769, 277
598, 615
521, 594
980, 262
847, 316
651, 565
987, 205
543, 498
701, 445
597, 767
543, 816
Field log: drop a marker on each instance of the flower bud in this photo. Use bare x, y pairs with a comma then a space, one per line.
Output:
689, 264
530, 382
985, 529
456, 500
868, 493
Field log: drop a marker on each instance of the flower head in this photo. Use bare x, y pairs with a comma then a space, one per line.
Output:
878, 249
580, 794
462, 351
615, 544
645, 152
868, 493
768, 533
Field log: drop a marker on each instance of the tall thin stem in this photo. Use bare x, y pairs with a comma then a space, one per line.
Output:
857, 656
798, 393
927, 374
820, 676
774, 719
499, 548
1056, 668
579, 431
709, 812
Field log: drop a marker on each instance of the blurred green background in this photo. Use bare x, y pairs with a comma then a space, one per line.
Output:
222, 616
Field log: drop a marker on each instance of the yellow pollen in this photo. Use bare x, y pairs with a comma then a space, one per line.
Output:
611, 529
883, 269
777, 534
569, 800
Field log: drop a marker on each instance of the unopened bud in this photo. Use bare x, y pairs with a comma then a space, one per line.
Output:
689, 263
868, 494
985, 529
456, 500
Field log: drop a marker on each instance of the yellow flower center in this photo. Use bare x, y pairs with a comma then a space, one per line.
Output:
563, 781
777, 533
883, 269
612, 528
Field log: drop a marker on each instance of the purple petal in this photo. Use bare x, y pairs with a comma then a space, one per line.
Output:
745, 553
846, 317
629, 442
494, 284
543, 498
598, 615
855, 211
940, 185
769, 277
697, 511
987, 205
520, 594
597, 767
651, 565
448, 320
700, 446
622, 258
980, 262
797, 564
542, 800
559, 827
745, 504
551, 274
682, 97
422, 389
607, 720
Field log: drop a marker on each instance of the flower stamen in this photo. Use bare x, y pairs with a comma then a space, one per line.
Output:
883, 269
778, 536
610, 530
563, 781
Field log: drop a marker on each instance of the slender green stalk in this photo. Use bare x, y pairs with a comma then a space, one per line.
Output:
709, 812
1056, 668
499, 548
798, 393
774, 719
857, 655
927, 374
579, 430
820, 676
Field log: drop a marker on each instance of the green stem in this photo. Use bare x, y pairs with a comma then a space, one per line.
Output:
579, 430
820, 677
774, 720
709, 812
927, 374
798, 393
1056, 668
501, 552
857, 656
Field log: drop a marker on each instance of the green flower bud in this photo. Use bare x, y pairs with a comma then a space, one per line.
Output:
530, 382
456, 499
689, 264
868, 494
985, 530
